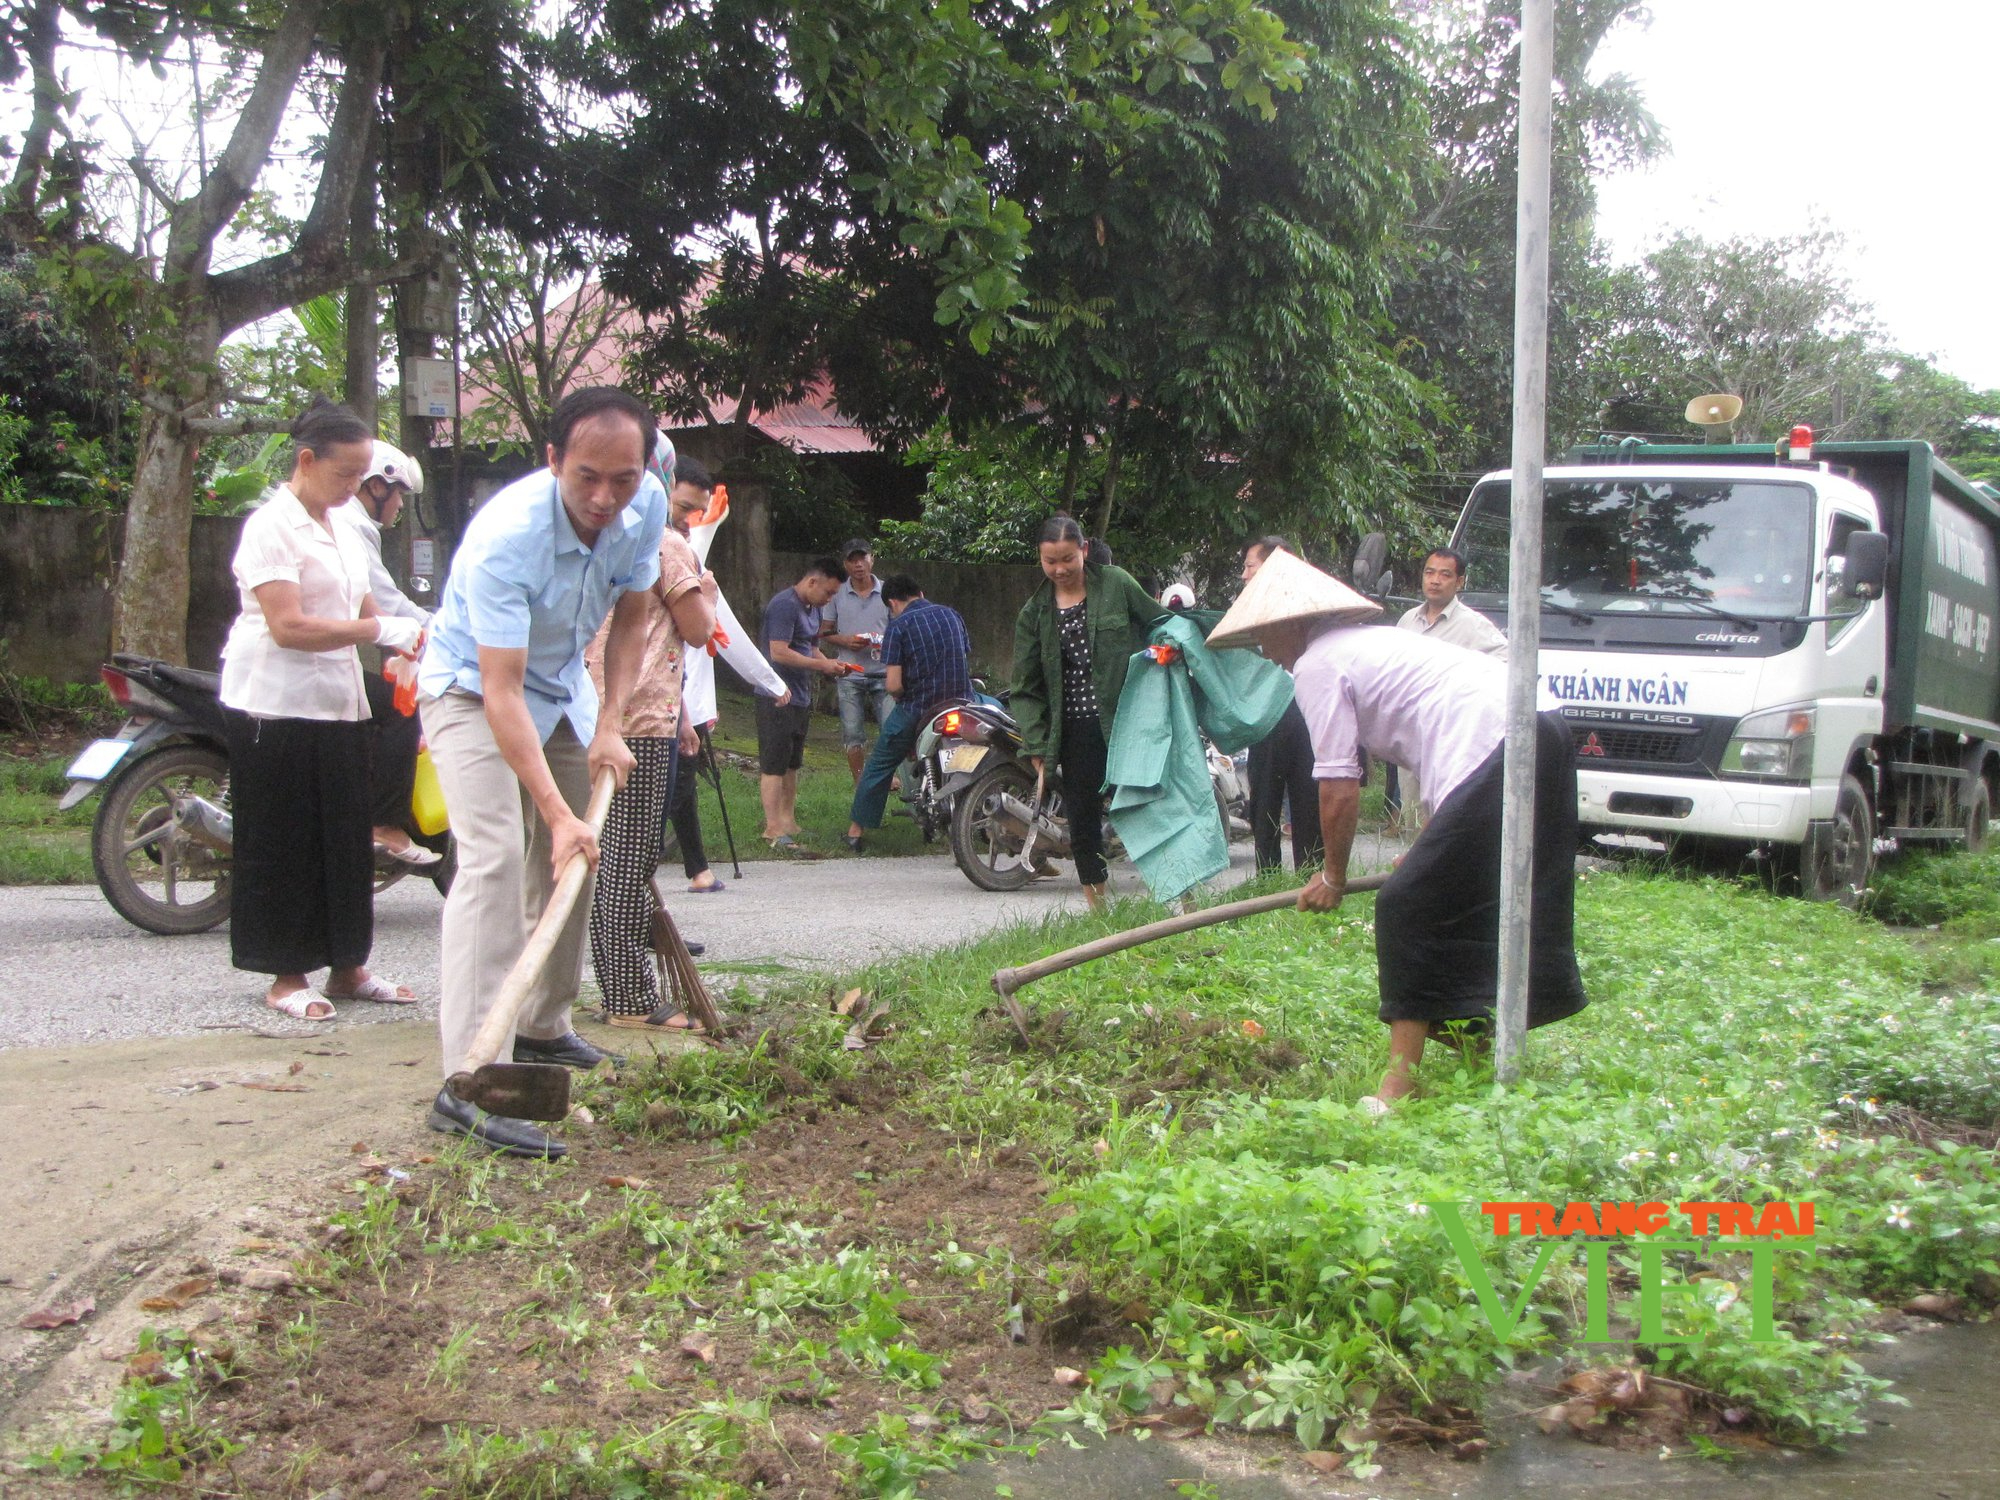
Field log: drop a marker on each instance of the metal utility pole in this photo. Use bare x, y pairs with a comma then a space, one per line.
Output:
1524, 592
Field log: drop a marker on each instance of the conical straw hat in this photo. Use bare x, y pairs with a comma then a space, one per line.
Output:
1288, 588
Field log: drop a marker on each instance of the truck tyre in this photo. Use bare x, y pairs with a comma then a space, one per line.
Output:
1978, 813
1837, 863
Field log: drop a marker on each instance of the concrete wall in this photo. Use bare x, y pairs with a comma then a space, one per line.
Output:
57, 566
56, 571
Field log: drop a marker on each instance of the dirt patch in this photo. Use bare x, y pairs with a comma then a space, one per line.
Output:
598, 1330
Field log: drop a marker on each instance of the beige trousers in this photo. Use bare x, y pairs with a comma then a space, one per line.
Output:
503, 879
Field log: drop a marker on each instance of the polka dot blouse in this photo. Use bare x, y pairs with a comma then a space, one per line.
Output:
1079, 691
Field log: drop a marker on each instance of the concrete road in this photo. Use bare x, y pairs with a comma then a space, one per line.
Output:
72, 970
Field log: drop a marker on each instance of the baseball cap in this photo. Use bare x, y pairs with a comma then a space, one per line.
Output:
857, 544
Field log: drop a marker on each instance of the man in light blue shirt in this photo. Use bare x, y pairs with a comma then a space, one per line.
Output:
515, 728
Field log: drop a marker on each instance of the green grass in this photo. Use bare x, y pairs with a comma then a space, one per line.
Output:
1956, 891
38, 845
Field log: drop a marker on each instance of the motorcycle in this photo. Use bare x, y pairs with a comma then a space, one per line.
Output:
161, 841
973, 782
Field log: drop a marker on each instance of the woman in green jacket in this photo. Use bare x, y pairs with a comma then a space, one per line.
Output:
1071, 646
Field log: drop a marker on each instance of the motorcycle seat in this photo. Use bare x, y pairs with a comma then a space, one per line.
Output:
188, 677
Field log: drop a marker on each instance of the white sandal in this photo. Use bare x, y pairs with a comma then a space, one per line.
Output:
298, 1005
375, 988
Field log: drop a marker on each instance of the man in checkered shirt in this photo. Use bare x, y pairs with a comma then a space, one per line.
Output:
925, 650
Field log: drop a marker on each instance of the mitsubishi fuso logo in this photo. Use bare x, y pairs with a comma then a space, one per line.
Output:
1590, 745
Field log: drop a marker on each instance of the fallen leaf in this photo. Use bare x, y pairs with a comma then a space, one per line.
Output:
63, 1313
253, 1247
296, 1067
258, 1278
871, 1027
274, 1088
359, 1148
581, 1115
148, 1365
327, 1052
1326, 1463
1253, 1029
1064, 1375
179, 1295
699, 1346
636, 1183
844, 1006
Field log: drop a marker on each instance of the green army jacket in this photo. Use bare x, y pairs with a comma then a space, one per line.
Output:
1120, 613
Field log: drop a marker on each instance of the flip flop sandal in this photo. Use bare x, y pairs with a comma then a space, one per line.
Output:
707, 890
784, 843
662, 1019
298, 1005
412, 854
377, 989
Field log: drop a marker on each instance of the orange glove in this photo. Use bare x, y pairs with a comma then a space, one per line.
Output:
1164, 655
401, 670
718, 639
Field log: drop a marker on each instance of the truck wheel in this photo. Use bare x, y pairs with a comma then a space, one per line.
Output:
1978, 813
1837, 864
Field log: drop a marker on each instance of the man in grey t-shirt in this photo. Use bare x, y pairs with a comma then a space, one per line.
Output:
855, 622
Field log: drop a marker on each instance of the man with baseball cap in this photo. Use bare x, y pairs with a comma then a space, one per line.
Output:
855, 623
1440, 710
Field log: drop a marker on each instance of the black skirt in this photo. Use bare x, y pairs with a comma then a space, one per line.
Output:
1437, 920
302, 872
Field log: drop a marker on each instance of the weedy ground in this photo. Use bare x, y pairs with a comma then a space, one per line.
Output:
791, 1267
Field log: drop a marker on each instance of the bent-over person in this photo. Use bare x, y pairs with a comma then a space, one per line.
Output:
1441, 711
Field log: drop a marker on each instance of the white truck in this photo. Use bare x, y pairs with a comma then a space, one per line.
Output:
1790, 652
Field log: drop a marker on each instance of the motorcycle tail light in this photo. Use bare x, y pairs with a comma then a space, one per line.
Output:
119, 684
948, 722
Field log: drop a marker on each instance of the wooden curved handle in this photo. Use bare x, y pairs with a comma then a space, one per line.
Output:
498, 1027
1007, 981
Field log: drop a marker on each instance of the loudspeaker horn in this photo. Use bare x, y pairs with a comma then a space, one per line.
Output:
1715, 414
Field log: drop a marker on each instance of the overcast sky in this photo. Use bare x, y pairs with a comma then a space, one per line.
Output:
1877, 118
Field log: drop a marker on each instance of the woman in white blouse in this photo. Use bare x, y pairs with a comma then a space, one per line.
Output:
302, 872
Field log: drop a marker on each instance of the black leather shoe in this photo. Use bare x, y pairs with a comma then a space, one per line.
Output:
506, 1135
695, 950
569, 1049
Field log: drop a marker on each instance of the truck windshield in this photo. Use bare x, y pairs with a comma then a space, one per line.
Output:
1654, 545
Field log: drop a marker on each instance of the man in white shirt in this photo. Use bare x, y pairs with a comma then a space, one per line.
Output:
377, 504
1444, 617
1441, 711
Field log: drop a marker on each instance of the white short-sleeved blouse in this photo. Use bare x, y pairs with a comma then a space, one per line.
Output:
281, 542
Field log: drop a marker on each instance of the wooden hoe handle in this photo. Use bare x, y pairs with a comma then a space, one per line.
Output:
498, 1026
1007, 981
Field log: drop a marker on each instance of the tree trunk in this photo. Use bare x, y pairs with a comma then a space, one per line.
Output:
149, 616
1111, 460
363, 302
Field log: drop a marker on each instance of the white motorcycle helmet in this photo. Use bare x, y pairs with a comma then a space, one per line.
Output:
392, 464
1178, 596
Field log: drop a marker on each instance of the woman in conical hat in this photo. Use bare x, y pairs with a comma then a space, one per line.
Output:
1440, 710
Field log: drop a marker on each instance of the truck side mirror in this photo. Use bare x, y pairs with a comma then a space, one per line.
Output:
1867, 570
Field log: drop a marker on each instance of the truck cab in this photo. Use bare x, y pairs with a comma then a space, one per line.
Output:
1747, 650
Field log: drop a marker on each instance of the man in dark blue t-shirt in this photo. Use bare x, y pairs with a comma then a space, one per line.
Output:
791, 640
925, 649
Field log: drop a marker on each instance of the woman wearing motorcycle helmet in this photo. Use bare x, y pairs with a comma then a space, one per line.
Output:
377, 505
302, 878
1071, 645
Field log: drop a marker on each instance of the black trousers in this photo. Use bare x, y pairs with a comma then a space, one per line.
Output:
1082, 766
683, 809
1281, 764
393, 776
1437, 919
302, 874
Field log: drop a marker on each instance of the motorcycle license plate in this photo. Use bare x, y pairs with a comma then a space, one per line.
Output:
97, 760
966, 758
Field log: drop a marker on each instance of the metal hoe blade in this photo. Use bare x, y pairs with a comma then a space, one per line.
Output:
520, 1091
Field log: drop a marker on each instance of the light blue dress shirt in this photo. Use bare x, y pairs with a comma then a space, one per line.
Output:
521, 578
